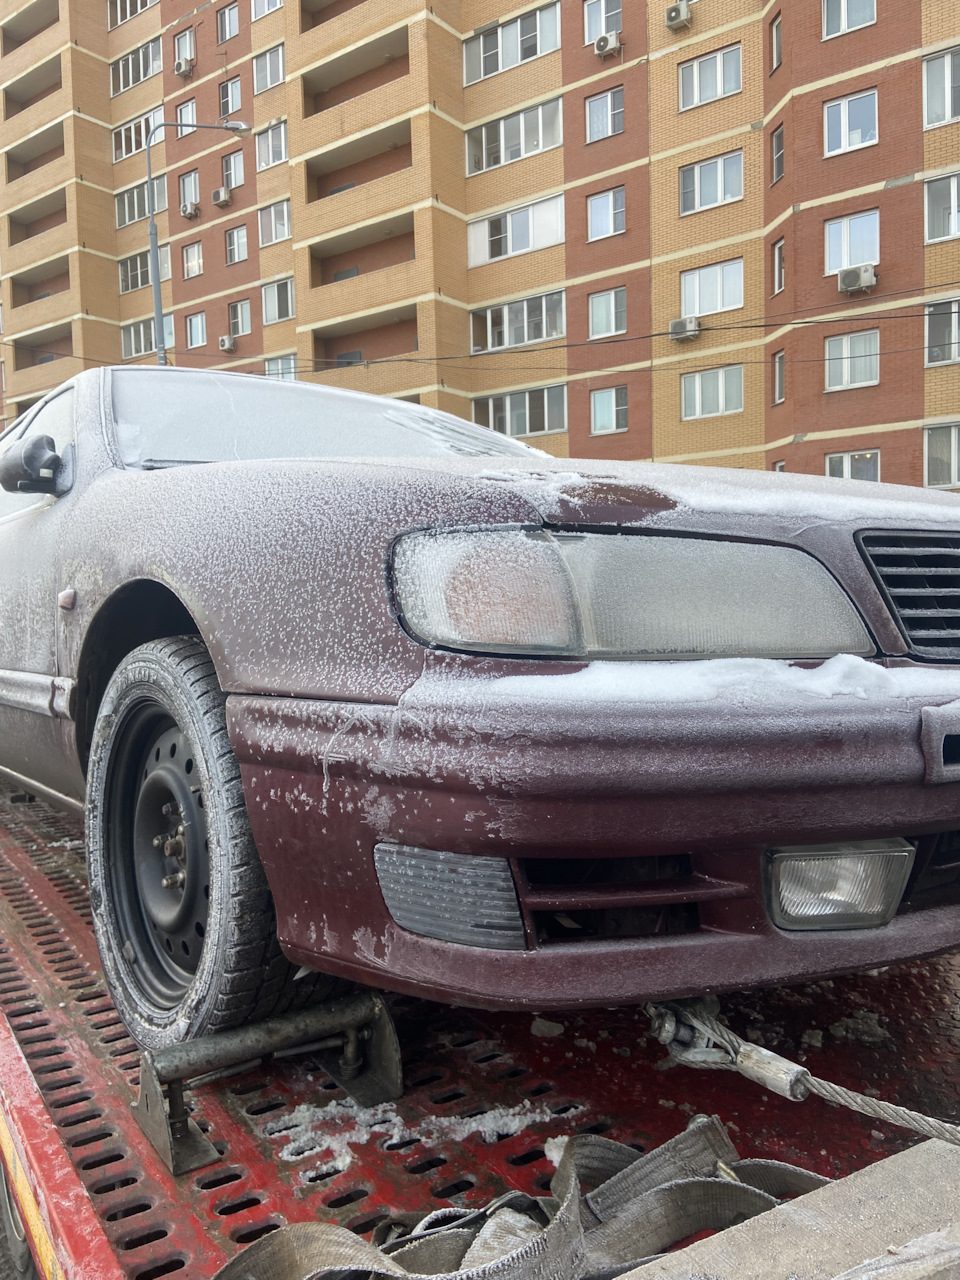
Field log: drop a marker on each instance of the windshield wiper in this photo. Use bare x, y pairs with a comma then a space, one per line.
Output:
159, 464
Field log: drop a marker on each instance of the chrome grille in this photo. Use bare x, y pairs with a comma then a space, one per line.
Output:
919, 574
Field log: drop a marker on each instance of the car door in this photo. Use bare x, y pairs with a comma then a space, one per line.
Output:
32, 699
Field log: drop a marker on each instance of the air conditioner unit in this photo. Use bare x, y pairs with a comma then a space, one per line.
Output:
228, 342
853, 279
606, 44
189, 209
678, 15
685, 327
183, 67
222, 197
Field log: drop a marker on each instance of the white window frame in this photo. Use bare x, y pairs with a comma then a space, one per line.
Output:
779, 266
260, 8
777, 153
781, 465
836, 350
273, 290
846, 461
610, 14
954, 341
231, 98
196, 328
954, 481
136, 278
697, 65
192, 259
515, 405
238, 318
283, 368
844, 105
120, 11
268, 69
779, 376
131, 137
697, 168
610, 298
136, 66
135, 199
951, 74
613, 115
695, 278
190, 187
239, 238
508, 319
617, 406
185, 45
267, 139
954, 232
137, 338
844, 224
187, 118
232, 170
844, 24
695, 380
525, 134
494, 42
275, 220
776, 42
228, 22
615, 202
541, 222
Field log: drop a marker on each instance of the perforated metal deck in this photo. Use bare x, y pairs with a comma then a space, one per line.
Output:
484, 1091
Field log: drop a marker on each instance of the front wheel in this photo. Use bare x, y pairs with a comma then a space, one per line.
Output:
183, 915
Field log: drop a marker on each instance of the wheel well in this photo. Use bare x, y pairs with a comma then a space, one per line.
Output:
137, 613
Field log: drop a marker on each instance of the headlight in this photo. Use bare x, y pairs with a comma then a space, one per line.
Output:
621, 596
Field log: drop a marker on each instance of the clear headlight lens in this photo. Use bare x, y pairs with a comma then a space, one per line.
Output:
621, 596
855, 885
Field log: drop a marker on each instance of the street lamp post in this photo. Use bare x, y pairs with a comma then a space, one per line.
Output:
238, 127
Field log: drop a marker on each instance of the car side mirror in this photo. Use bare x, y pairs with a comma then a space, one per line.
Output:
30, 466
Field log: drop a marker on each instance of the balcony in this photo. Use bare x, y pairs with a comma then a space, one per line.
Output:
39, 216
40, 361
313, 13
35, 85
372, 203
360, 250
35, 152
39, 284
26, 23
348, 75
360, 160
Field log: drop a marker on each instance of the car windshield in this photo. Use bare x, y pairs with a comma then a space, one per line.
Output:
166, 417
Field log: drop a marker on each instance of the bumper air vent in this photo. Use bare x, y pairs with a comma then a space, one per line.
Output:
936, 878
454, 897
919, 575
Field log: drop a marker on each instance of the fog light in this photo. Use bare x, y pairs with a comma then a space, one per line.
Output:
856, 885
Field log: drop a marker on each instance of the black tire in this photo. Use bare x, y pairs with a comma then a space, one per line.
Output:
184, 918
19, 1255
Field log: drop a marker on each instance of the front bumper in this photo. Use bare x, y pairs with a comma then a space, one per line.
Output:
476, 766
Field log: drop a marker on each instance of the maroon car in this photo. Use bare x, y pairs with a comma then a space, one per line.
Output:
354, 689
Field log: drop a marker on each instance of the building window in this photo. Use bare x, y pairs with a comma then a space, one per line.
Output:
190, 187
943, 332
268, 69
275, 222
228, 22
197, 329
781, 465
534, 226
849, 123
233, 170
132, 136
776, 43
601, 17
608, 410
139, 64
135, 270
345, 273
608, 312
864, 465
940, 446
606, 213
511, 43
516, 323
852, 241
183, 46
779, 266
523, 413
132, 203
122, 10
282, 367
345, 359
278, 301
943, 207
236, 245
847, 15
239, 314
272, 146
712, 392
711, 182
192, 260
776, 154
852, 360
779, 377
941, 88
718, 287
705, 79
230, 96
186, 117
513, 137
137, 339
260, 8
605, 114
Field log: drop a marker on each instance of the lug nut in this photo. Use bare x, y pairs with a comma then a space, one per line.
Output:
174, 881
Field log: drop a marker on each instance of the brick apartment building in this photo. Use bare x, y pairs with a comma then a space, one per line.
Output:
628, 249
